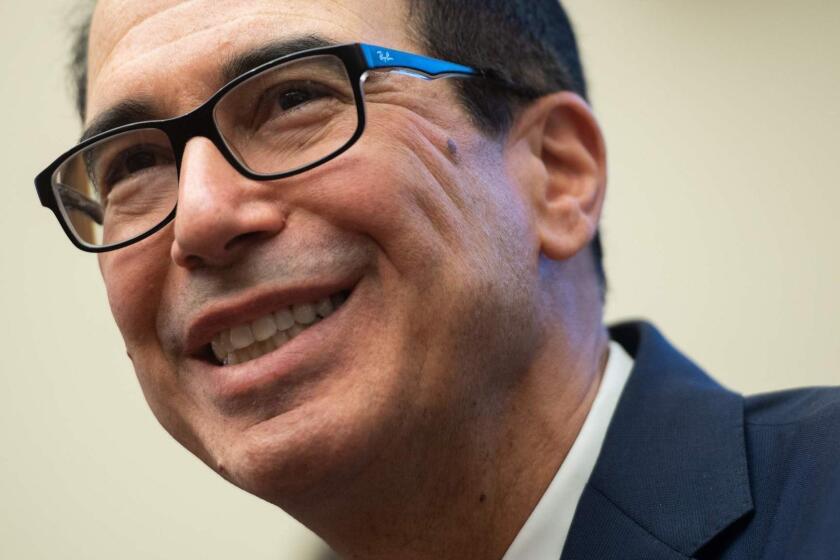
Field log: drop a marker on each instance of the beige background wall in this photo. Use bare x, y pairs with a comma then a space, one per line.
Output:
723, 125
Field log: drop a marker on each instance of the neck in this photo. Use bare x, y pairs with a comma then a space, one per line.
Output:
468, 494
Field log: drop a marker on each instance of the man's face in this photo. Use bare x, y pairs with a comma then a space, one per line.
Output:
419, 222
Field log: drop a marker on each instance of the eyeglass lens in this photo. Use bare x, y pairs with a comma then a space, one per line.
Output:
279, 120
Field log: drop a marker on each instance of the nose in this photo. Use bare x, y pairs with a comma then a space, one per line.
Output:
221, 214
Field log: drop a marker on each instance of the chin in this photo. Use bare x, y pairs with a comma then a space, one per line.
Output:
302, 455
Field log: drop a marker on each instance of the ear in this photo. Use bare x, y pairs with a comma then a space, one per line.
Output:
567, 179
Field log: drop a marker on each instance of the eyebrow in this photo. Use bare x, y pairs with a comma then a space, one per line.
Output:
243, 62
130, 111
123, 113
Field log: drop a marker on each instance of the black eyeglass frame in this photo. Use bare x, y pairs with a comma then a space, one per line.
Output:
358, 60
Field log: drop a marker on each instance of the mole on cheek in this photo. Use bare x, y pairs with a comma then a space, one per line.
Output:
453, 149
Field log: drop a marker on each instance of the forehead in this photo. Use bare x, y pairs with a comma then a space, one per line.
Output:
174, 50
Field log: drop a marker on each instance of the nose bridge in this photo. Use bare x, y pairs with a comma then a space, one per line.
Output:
203, 169
198, 123
220, 211
211, 190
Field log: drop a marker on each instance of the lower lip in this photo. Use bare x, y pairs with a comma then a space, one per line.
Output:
251, 378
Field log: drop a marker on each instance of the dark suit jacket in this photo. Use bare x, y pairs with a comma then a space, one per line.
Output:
690, 469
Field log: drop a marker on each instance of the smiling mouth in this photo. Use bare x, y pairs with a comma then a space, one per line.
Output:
266, 334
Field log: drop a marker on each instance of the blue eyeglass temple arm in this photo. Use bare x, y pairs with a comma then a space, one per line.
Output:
430, 68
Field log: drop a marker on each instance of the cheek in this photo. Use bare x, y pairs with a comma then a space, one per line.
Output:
447, 221
398, 188
134, 279
454, 237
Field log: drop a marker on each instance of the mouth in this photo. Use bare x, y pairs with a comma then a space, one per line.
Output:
251, 340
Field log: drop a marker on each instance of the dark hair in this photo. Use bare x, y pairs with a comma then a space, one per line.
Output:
79, 58
531, 43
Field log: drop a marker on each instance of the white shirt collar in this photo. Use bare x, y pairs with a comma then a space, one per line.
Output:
544, 533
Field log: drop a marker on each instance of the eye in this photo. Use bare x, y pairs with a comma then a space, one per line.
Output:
291, 98
299, 97
140, 160
291, 103
134, 161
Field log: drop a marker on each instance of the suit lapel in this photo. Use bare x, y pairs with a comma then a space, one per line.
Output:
601, 531
672, 472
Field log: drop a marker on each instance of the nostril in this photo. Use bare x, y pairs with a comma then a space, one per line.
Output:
246, 238
201, 256
191, 262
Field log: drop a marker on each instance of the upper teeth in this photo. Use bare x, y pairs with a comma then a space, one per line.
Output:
269, 332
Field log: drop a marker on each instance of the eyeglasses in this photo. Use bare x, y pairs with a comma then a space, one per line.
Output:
280, 119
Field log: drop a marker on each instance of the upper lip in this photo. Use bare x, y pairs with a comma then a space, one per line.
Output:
243, 309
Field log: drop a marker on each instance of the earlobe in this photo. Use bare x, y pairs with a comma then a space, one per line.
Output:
566, 141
